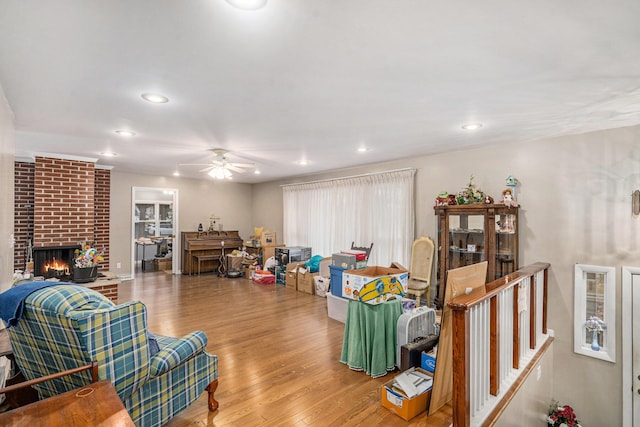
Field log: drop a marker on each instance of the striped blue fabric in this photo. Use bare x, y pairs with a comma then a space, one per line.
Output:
66, 326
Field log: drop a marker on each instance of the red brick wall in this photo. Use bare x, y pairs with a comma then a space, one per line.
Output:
63, 202
102, 203
23, 206
109, 291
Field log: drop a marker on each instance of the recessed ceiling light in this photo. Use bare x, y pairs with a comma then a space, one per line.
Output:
362, 150
108, 154
257, 172
176, 173
125, 133
302, 162
248, 4
155, 98
472, 126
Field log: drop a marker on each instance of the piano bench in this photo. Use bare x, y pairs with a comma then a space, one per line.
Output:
200, 258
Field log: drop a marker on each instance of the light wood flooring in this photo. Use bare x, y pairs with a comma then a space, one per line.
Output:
278, 354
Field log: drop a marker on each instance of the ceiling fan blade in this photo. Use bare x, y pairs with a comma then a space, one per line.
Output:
242, 165
206, 169
233, 168
194, 164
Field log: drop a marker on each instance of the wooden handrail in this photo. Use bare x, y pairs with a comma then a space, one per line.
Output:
524, 284
94, 377
464, 302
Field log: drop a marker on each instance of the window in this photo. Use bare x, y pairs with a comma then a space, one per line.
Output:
594, 312
375, 208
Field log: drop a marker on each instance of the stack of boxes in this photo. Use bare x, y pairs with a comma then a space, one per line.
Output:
345, 260
288, 259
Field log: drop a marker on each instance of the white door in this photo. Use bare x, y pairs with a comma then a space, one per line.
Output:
154, 213
631, 346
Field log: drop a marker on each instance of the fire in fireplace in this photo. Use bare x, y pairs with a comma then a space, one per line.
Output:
54, 261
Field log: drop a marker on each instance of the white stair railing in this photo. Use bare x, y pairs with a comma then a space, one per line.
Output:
505, 326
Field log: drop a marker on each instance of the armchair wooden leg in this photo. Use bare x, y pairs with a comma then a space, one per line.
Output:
211, 388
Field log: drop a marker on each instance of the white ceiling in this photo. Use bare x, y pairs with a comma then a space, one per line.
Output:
312, 80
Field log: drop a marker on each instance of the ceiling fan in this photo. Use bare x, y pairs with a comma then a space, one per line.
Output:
220, 167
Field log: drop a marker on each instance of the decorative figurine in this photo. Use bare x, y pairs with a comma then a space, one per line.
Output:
470, 195
507, 198
442, 199
214, 223
511, 184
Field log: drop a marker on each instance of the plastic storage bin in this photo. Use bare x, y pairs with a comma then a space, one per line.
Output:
336, 280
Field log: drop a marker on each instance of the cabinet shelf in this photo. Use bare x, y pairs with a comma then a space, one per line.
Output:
491, 228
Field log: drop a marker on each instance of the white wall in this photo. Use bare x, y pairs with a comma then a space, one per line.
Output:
529, 406
197, 200
575, 194
7, 158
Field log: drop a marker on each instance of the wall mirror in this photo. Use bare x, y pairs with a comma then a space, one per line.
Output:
594, 324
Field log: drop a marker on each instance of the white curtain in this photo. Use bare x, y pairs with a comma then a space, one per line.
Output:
374, 208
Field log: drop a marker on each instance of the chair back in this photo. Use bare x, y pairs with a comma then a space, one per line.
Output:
422, 259
67, 326
366, 249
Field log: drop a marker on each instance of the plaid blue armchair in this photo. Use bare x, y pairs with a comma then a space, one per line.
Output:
66, 326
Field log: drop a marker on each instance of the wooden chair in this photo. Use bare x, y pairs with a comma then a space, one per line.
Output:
362, 248
420, 269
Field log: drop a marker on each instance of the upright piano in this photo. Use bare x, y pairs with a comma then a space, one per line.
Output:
203, 250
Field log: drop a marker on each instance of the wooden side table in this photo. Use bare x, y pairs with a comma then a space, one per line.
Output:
97, 404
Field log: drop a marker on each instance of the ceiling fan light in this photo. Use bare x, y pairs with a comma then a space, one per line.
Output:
220, 172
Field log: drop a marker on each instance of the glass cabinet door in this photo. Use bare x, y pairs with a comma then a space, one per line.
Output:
165, 220
466, 234
145, 217
505, 245
154, 219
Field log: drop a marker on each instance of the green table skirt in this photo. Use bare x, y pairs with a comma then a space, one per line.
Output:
371, 337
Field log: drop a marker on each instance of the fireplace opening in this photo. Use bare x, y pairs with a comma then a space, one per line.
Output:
54, 261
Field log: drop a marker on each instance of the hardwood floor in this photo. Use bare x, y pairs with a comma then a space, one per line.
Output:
278, 354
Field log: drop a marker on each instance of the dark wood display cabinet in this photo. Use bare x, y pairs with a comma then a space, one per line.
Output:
469, 234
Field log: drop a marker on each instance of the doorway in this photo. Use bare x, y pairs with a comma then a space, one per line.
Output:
154, 219
630, 346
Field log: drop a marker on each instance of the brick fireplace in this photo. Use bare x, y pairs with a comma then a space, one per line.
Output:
61, 203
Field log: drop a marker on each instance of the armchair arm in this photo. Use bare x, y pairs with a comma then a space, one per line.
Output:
174, 351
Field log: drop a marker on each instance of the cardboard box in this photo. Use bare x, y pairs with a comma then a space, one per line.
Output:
400, 404
248, 271
163, 263
306, 282
291, 275
374, 285
337, 308
268, 238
